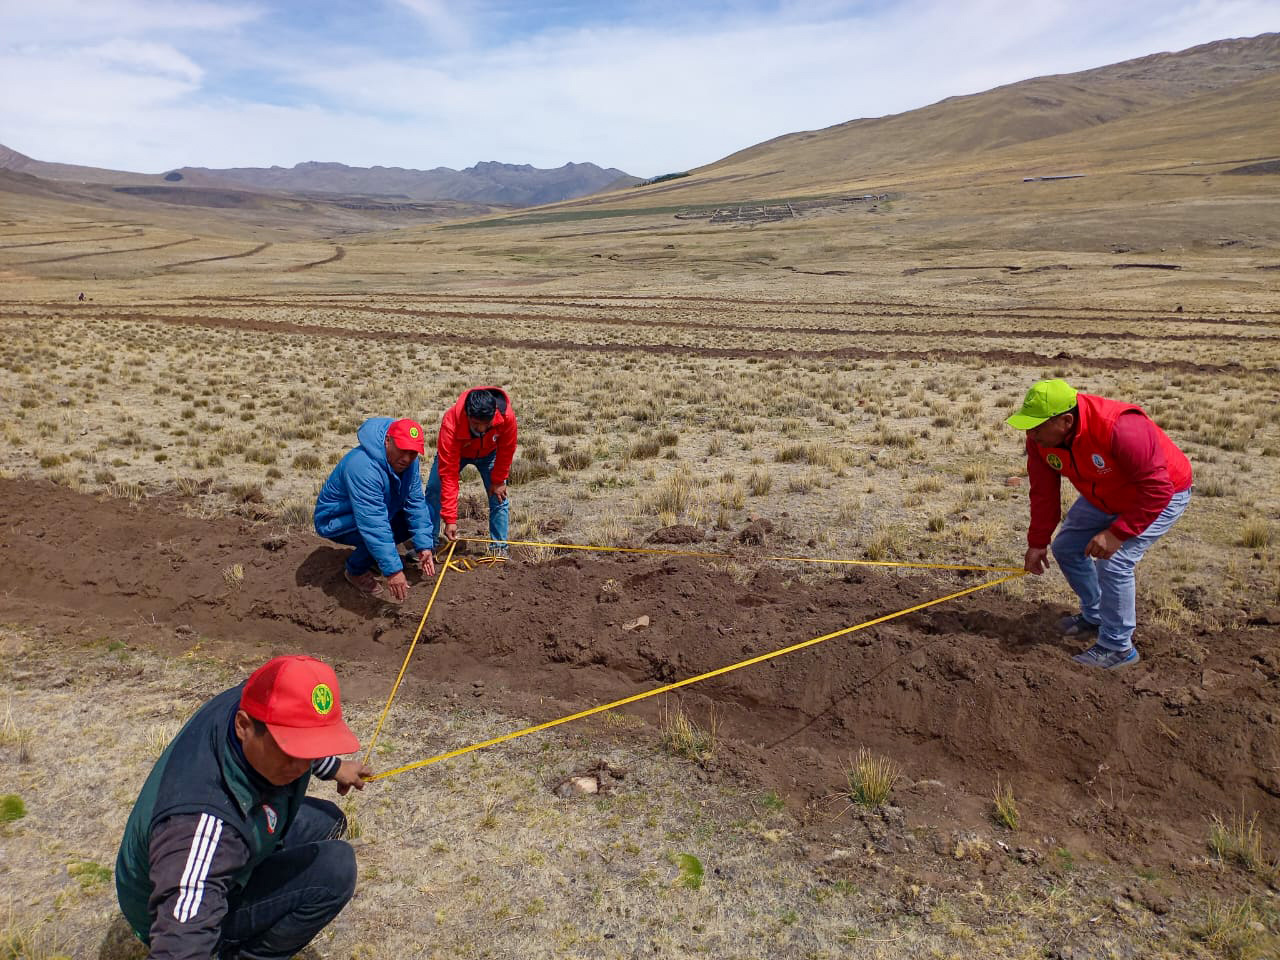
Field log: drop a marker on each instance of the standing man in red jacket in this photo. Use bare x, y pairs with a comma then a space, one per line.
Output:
480, 429
1134, 483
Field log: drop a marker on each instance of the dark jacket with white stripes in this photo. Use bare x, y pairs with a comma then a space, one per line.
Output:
204, 820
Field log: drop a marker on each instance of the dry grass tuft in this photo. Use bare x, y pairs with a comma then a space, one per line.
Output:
871, 778
25, 940
297, 513
157, 737
233, 575
1235, 929
1237, 840
12, 735
674, 496
1005, 807
886, 543
682, 736
1256, 533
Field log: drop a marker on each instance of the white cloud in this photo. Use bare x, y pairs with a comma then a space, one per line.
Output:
649, 99
79, 21
139, 57
90, 87
442, 19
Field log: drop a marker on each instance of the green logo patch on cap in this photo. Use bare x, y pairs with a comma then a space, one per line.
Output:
415, 432
322, 698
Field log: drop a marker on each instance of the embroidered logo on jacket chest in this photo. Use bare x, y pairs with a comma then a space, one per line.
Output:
272, 818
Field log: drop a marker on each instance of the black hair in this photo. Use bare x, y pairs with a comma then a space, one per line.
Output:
259, 728
481, 404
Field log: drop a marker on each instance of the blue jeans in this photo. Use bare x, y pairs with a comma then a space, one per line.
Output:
1106, 588
361, 560
297, 891
498, 509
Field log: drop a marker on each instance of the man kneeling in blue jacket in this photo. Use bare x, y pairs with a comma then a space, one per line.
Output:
373, 500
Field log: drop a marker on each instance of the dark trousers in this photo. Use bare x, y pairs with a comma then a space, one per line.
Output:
361, 561
297, 891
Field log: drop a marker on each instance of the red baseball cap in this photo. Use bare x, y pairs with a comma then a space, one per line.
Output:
297, 698
407, 435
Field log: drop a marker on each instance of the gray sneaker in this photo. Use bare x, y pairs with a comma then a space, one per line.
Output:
1106, 659
1077, 626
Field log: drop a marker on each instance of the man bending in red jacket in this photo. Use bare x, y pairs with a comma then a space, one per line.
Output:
1134, 483
480, 429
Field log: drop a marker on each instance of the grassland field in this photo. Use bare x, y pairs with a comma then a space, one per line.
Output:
827, 375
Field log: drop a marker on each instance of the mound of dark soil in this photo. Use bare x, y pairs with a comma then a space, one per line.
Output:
961, 693
679, 533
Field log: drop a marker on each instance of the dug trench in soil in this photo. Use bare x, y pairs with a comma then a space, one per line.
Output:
963, 692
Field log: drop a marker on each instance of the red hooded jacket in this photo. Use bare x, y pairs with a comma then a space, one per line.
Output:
1118, 459
456, 444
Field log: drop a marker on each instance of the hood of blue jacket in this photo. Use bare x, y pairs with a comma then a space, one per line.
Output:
373, 440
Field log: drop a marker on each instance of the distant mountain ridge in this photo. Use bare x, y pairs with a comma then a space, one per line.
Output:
517, 185
489, 182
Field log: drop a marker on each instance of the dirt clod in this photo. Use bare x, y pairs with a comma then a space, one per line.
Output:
679, 533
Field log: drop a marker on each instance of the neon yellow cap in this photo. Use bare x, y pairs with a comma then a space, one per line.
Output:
1045, 399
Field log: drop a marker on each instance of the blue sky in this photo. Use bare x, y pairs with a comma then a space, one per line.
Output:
650, 88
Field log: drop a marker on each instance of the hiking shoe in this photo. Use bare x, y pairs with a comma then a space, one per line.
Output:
1077, 626
366, 583
1105, 659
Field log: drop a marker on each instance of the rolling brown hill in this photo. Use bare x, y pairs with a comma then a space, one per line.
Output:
1034, 109
1111, 113
213, 210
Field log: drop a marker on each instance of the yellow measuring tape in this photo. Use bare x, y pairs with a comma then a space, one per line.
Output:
682, 683
464, 564
445, 565
701, 555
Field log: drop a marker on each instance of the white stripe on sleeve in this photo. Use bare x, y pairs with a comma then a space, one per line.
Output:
325, 767
199, 859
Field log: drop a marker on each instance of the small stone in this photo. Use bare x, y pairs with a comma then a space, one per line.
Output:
577, 787
1214, 679
638, 623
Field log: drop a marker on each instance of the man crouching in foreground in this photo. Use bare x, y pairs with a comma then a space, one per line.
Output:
1134, 484
224, 854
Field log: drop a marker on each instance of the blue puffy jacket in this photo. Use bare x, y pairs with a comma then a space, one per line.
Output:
363, 493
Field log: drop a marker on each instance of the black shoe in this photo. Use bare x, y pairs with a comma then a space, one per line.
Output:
1077, 626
